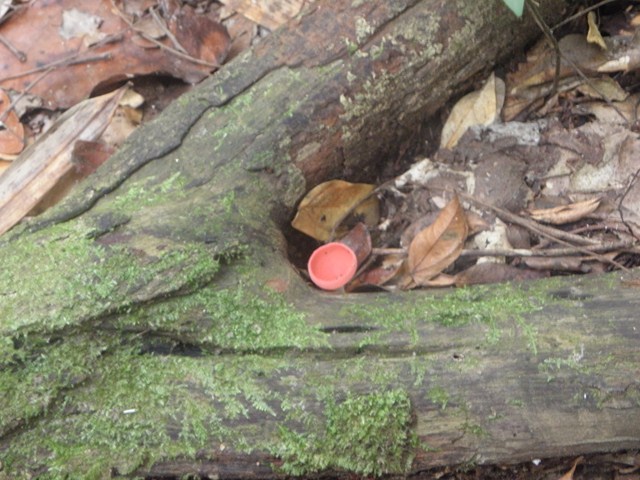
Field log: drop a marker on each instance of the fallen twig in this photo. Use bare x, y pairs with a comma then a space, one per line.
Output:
554, 234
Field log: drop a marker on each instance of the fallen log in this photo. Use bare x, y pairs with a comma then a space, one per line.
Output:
171, 335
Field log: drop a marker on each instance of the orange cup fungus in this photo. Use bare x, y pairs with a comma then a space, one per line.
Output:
332, 265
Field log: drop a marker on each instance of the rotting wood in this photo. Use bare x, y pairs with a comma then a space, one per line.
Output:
155, 348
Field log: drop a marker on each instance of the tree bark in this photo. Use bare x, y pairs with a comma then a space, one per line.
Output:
172, 336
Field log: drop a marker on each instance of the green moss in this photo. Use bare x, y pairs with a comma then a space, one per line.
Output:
79, 279
146, 192
368, 434
31, 383
574, 363
138, 409
229, 319
490, 306
439, 396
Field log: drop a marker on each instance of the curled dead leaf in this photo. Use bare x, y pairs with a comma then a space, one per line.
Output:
566, 213
594, 35
437, 246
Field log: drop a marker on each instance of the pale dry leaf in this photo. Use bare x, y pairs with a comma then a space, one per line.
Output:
79, 24
614, 113
604, 88
325, 206
131, 99
5, 7
268, 13
437, 246
566, 213
482, 107
593, 35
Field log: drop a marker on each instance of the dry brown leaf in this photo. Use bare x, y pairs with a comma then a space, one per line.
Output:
437, 246
566, 213
415, 227
11, 130
477, 108
38, 169
593, 35
329, 203
476, 223
269, 13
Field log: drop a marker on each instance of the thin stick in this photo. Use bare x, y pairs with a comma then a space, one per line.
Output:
18, 54
535, 13
162, 26
551, 252
533, 9
581, 13
554, 234
64, 62
523, 252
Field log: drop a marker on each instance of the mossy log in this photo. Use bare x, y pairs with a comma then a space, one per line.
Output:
152, 324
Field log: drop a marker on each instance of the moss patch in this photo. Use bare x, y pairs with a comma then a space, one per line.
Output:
79, 279
138, 409
490, 306
368, 434
228, 319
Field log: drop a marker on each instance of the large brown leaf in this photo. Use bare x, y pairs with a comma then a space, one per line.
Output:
327, 205
437, 246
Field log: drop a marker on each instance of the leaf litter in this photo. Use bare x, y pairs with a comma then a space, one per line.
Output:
528, 181
91, 48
